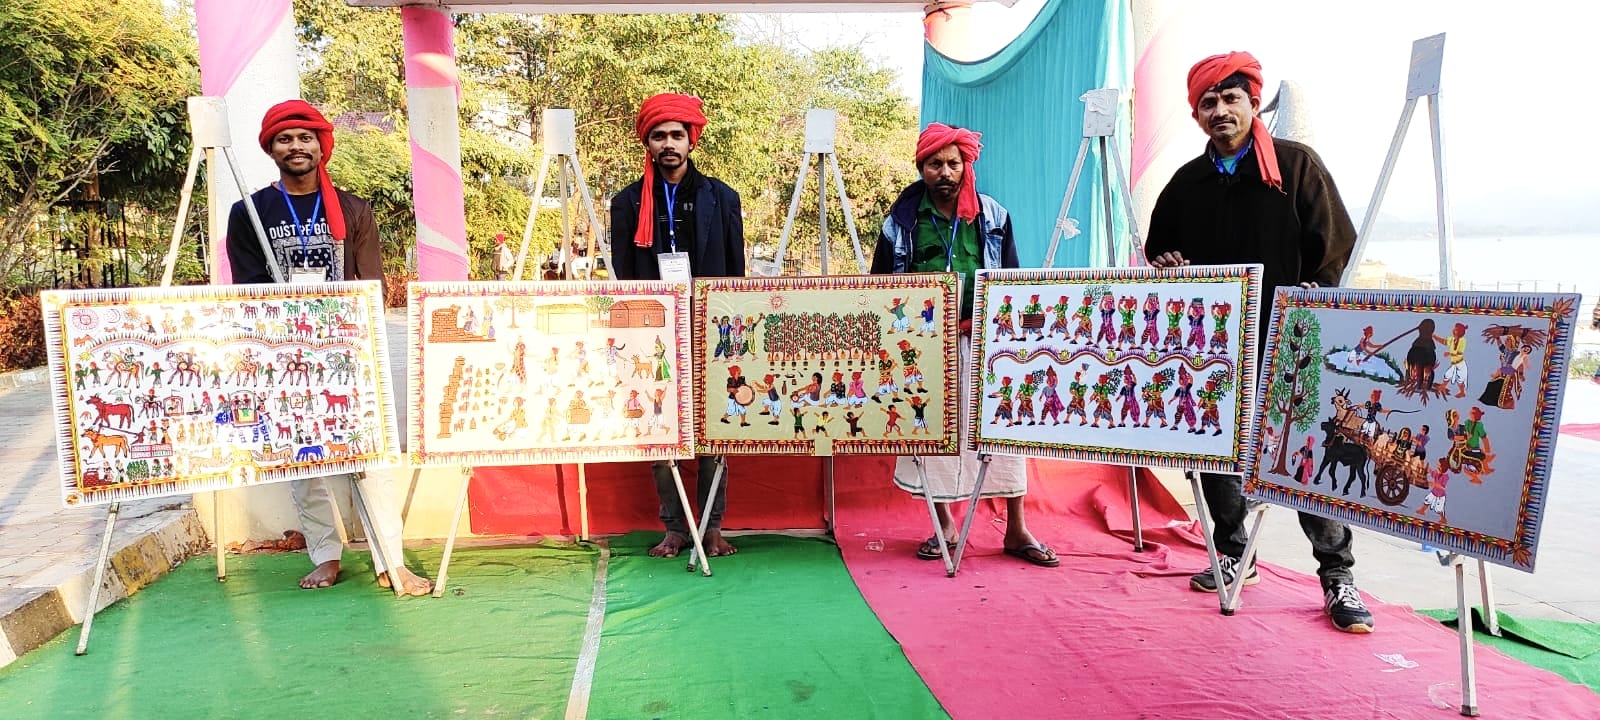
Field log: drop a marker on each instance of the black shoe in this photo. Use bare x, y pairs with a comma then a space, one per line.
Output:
1206, 582
1343, 604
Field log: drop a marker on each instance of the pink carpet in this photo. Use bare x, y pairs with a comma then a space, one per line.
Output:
1115, 634
1587, 431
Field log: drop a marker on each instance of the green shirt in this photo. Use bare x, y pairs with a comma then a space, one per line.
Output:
932, 239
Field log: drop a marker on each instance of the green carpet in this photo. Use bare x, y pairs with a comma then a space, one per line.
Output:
1571, 650
260, 647
779, 631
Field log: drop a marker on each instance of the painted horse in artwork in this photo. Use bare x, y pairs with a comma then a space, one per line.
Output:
126, 367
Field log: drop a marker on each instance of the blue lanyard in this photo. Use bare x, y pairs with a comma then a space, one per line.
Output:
949, 247
305, 254
671, 192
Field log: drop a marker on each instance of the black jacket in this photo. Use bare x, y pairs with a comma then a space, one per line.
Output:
1302, 234
718, 249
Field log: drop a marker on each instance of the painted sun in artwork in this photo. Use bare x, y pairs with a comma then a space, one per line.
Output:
777, 301
83, 319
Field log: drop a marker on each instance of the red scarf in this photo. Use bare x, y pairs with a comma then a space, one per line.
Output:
938, 136
1212, 70
296, 115
666, 107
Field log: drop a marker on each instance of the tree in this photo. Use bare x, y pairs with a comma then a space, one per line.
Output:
1292, 397
512, 304
90, 93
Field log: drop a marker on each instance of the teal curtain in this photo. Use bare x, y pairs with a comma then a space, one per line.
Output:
1024, 99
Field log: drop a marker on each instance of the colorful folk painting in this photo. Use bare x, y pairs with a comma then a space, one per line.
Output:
528, 373
170, 391
861, 364
1424, 415
1131, 366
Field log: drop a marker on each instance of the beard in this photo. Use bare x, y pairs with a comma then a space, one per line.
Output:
294, 170
945, 191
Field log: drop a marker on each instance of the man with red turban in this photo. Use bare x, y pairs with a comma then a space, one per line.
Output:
1253, 198
317, 233
941, 223
676, 223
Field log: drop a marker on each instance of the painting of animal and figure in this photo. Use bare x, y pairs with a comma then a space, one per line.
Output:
1131, 366
825, 365
169, 391
548, 372
1425, 415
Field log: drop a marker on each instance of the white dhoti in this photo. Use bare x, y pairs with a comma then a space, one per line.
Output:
951, 477
313, 500
1456, 374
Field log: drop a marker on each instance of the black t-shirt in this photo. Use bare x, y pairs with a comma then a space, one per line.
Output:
310, 246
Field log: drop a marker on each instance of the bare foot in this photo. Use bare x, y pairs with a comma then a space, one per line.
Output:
411, 584
324, 575
716, 545
669, 546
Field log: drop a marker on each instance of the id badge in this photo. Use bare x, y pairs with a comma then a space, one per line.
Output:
674, 266
307, 276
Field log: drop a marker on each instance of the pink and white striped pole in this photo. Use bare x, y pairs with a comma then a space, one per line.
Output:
1166, 41
247, 58
433, 94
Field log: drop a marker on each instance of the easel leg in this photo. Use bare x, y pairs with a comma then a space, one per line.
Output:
99, 577
216, 536
1133, 497
827, 480
972, 511
375, 537
705, 512
583, 504
933, 514
450, 542
1491, 614
1204, 511
1469, 670
699, 549
1230, 594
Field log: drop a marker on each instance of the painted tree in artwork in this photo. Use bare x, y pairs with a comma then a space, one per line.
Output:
1292, 396
514, 304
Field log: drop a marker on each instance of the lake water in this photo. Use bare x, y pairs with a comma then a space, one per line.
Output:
1528, 263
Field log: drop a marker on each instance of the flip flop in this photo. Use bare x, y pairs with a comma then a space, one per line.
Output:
929, 549
1045, 557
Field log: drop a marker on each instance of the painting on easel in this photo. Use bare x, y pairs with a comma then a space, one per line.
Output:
548, 372
1430, 416
859, 364
1131, 366
170, 391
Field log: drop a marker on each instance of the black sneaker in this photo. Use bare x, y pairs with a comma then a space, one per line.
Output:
1206, 582
1343, 604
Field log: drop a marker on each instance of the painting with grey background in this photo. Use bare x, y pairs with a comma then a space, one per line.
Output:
1424, 415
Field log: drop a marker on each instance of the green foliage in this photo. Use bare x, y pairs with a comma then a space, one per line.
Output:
1297, 372
91, 105
1585, 364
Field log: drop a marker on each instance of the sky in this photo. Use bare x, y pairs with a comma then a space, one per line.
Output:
1517, 148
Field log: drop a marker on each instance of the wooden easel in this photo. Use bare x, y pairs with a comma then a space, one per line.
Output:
208, 128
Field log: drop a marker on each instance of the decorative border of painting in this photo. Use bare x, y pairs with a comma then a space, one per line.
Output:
679, 444
1242, 346
946, 437
1551, 314
283, 314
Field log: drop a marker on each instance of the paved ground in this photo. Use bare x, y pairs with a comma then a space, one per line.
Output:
47, 552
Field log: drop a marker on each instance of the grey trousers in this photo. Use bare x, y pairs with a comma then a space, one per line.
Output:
1330, 540
672, 508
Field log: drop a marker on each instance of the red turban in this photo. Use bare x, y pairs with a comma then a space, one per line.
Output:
666, 107
938, 136
1212, 70
295, 115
